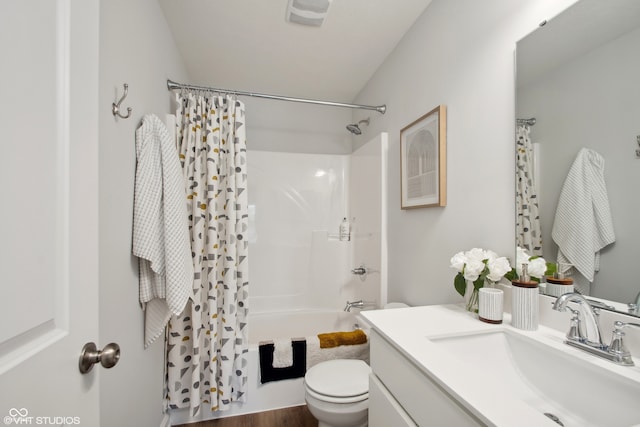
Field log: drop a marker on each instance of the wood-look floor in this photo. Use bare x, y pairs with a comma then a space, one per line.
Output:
297, 416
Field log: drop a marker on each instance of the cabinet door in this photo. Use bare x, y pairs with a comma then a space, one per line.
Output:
384, 410
426, 402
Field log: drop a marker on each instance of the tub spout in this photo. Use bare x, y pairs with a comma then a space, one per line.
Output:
352, 304
358, 304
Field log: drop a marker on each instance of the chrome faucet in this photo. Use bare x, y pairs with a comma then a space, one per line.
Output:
358, 304
586, 319
617, 347
633, 306
584, 332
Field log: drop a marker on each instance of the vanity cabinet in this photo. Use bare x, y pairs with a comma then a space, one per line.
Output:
400, 394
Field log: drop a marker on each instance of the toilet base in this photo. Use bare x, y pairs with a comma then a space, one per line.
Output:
339, 414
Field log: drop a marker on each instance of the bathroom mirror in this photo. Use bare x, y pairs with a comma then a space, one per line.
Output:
578, 75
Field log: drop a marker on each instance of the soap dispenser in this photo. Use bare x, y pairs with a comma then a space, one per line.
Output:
524, 302
559, 284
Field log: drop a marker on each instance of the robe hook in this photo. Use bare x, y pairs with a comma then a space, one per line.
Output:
115, 107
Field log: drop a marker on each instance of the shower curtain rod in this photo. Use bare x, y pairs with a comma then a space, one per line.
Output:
530, 122
171, 85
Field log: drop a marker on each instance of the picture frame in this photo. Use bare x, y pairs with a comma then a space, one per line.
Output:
423, 161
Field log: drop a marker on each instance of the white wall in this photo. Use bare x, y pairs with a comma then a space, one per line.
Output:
459, 53
296, 128
599, 88
137, 48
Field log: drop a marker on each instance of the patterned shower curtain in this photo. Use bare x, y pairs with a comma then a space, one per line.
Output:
207, 344
528, 231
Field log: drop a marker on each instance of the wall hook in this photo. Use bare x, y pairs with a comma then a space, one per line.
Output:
115, 107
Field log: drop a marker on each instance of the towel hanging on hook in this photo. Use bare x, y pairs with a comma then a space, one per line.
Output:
115, 107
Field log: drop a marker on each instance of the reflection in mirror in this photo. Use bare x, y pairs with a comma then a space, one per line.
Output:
578, 76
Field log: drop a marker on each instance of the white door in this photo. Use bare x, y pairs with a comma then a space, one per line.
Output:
49, 212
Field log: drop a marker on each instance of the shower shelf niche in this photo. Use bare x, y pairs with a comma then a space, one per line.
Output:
359, 236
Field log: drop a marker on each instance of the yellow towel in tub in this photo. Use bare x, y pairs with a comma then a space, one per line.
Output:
335, 339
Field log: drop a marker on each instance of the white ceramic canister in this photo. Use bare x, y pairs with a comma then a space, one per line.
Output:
491, 303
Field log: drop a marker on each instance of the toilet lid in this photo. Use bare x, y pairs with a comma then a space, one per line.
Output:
339, 378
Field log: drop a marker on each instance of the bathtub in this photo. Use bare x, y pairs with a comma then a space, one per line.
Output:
269, 326
298, 323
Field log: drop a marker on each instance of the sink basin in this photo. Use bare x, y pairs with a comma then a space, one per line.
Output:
548, 377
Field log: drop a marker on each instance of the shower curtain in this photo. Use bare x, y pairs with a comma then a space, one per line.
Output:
207, 344
528, 231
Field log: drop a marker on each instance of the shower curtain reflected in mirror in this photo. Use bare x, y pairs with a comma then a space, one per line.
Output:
207, 344
528, 231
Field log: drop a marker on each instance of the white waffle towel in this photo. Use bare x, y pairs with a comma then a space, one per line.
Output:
160, 228
583, 224
282, 353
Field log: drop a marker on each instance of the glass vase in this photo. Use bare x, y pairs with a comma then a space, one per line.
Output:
472, 297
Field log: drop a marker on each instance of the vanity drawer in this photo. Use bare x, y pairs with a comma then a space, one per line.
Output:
423, 400
384, 410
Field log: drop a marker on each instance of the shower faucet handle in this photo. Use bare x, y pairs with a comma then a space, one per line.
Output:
362, 271
359, 271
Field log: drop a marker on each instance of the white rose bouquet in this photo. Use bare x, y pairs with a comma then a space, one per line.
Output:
537, 267
478, 266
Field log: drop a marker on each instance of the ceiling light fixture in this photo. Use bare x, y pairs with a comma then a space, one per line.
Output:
308, 12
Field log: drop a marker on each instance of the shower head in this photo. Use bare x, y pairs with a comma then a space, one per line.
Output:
354, 128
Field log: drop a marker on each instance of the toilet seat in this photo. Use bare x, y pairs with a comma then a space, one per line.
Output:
339, 381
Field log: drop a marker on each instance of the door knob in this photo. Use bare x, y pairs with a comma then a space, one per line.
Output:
107, 357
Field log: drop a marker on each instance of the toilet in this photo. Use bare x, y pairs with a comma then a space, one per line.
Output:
337, 391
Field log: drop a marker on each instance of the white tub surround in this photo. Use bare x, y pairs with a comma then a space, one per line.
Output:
297, 202
420, 351
298, 323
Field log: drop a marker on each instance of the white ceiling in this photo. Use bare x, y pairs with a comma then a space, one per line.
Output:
248, 45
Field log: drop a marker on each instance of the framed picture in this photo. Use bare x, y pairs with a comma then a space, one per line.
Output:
423, 161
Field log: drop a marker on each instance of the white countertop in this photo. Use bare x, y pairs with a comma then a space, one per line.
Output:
408, 329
